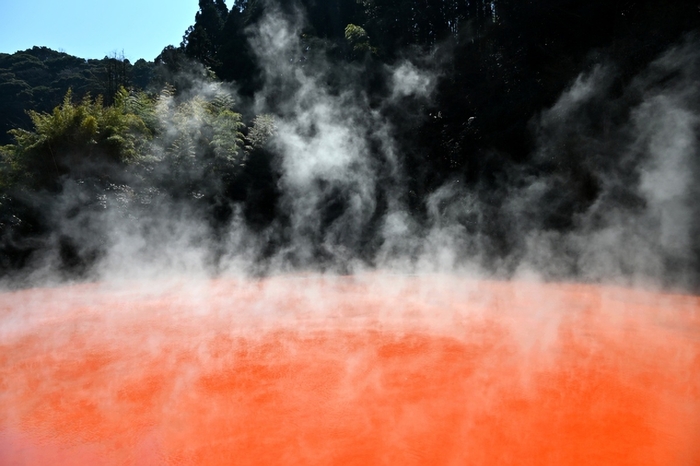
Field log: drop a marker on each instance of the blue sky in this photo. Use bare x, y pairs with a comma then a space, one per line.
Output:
93, 29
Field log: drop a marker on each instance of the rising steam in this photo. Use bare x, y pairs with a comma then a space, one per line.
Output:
631, 156
377, 334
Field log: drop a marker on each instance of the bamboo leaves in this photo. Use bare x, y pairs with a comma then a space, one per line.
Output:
195, 135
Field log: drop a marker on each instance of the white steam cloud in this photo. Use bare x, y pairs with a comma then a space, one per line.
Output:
343, 193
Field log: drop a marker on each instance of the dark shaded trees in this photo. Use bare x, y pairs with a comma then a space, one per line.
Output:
236, 60
202, 40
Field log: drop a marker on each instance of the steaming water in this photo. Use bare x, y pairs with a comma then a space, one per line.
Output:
371, 369
378, 368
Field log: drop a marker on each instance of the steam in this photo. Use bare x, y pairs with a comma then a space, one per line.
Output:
641, 226
409, 80
608, 195
631, 157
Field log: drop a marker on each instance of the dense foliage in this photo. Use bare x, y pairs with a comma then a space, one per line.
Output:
499, 64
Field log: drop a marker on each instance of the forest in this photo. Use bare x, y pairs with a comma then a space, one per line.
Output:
335, 134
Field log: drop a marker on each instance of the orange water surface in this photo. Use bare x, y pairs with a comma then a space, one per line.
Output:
376, 369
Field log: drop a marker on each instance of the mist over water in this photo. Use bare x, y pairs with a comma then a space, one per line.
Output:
349, 370
607, 194
355, 325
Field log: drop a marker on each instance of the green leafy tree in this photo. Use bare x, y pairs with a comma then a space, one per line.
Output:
262, 129
76, 137
199, 128
357, 38
116, 75
203, 39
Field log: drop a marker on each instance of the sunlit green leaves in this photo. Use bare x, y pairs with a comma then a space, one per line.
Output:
358, 39
227, 140
75, 134
190, 138
262, 129
193, 127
